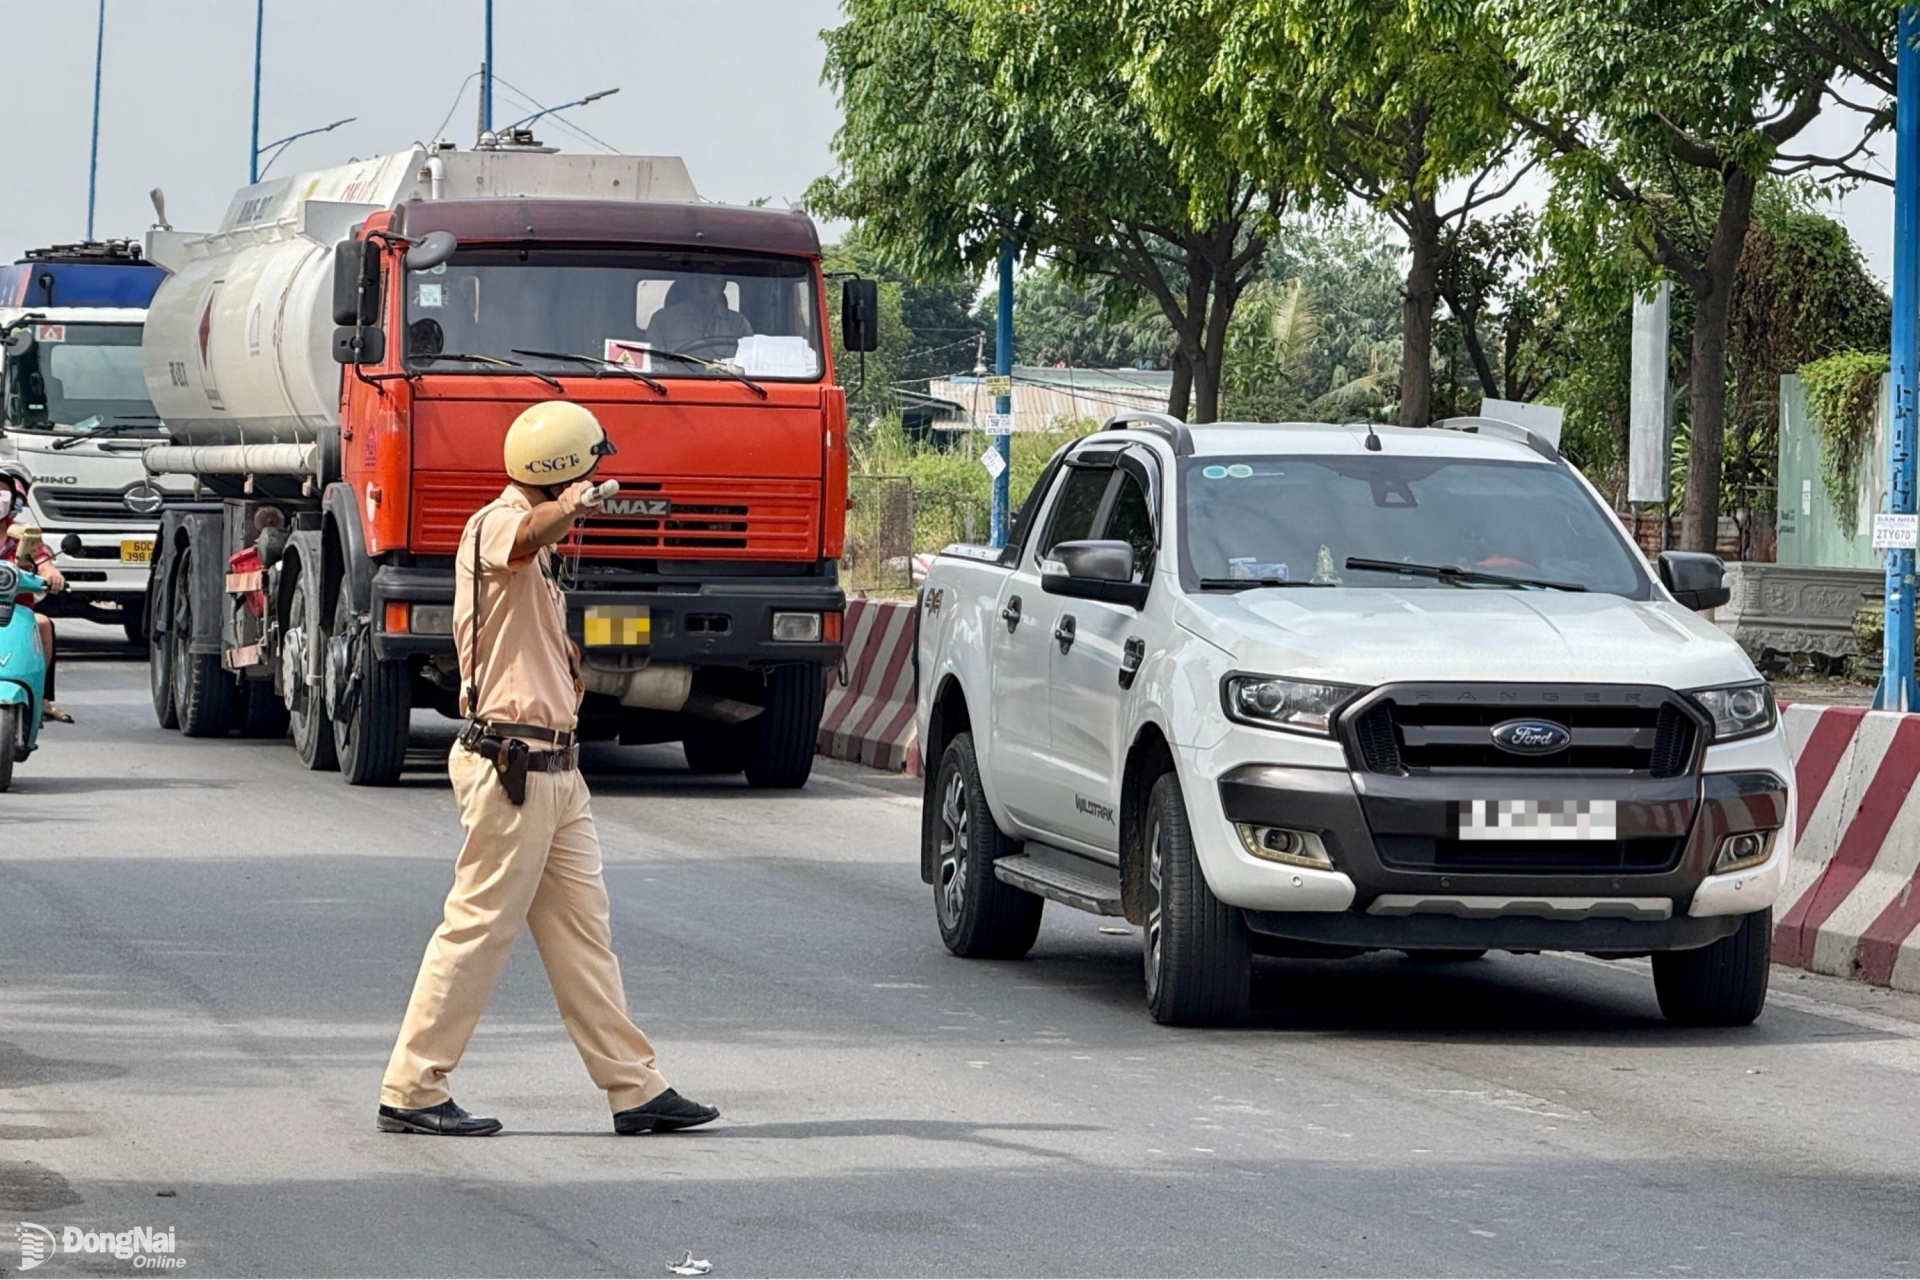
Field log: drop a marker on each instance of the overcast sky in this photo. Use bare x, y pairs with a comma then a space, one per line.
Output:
732, 85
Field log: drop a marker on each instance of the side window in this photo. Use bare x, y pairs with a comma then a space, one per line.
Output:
1131, 521
1075, 508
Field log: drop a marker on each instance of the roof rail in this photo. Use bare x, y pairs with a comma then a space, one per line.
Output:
1501, 427
1162, 424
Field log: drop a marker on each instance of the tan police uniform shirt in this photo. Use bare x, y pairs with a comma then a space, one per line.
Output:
524, 668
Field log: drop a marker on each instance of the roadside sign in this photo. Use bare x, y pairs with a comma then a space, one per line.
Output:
993, 462
999, 424
1892, 532
999, 384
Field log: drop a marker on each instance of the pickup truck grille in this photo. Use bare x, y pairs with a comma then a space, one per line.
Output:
1645, 855
63, 505
1449, 729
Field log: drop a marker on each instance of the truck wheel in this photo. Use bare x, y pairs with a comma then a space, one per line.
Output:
787, 733
715, 749
1723, 984
980, 915
11, 718
1199, 959
203, 692
306, 712
160, 675
262, 714
371, 703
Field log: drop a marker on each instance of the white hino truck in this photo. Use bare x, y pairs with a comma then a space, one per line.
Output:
1319, 690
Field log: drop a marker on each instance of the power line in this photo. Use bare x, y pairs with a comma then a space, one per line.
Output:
458, 94
564, 123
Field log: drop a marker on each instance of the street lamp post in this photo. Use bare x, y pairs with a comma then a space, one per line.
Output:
547, 111
282, 144
486, 76
1896, 692
93, 158
253, 154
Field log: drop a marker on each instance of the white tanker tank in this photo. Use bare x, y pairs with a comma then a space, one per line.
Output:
238, 348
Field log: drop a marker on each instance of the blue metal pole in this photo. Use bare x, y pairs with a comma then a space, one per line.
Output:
1896, 691
93, 158
253, 154
486, 76
1003, 365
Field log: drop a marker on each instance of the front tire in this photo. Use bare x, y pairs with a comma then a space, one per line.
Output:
980, 915
787, 733
203, 692
371, 703
1723, 984
12, 721
1198, 955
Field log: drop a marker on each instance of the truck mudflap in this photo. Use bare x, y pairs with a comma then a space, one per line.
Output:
726, 622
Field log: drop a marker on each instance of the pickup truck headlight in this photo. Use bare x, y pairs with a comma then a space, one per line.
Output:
1274, 702
1738, 710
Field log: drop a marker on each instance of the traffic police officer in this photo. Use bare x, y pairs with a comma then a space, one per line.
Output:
531, 854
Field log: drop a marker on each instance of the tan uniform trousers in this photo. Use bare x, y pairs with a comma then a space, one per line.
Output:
537, 863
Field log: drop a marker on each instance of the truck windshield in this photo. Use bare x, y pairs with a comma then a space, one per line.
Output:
78, 379
670, 314
1301, 519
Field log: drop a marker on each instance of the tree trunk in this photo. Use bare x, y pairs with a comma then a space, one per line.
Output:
1712, 289
1180, 396
1416, 355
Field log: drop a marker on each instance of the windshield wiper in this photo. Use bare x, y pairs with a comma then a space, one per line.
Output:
1455, 576
599, 366
726, 370
1241, 584
130, 423
497, 363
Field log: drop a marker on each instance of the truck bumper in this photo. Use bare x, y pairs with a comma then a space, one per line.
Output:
725, 622
1401, 877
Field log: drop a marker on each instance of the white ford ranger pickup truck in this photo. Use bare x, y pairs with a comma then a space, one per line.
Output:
1306, 689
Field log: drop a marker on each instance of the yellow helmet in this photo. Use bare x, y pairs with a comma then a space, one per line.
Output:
555, 442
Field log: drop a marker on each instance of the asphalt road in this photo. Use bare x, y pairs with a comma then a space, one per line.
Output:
205, 951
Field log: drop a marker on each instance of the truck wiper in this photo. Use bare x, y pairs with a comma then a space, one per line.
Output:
1242, 584
497, 363
724, 370
110, 429
598, 365
1455, 576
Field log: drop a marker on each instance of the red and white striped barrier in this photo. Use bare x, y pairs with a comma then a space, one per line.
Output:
1850, 905
869, 718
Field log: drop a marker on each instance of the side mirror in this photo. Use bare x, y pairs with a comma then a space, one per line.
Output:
1697, 580
1093, 570
860, 315
20, 340
356, 283
359, 346
431, 250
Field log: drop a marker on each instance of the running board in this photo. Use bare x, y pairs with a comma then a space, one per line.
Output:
1065, 877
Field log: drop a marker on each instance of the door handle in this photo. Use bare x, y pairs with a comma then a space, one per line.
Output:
1011, 614
1064, 631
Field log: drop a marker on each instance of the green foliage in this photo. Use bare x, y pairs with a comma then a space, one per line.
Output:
923, 323
1098, 325
1843, 392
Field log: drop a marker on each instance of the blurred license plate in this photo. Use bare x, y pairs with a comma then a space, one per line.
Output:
622, 626
136, 551
1537, 820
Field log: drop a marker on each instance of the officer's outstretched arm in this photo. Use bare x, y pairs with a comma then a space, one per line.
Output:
549, 522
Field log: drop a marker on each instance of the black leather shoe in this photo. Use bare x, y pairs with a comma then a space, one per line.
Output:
665, 1113
444, 1121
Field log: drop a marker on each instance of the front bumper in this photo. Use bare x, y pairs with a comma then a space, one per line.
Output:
724, 622
1402, 878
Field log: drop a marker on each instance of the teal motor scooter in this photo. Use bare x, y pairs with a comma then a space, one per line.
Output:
23, 671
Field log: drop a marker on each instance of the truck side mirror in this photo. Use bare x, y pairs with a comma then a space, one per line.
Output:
1697, 580
431, 250
356, 283
353, 345
860, 315
1093, 570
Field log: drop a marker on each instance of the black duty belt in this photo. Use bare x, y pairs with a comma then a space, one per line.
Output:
500, 745
531, 732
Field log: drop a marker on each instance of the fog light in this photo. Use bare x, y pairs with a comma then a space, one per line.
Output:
1747, 849
797, 628
433, 619
1281, 844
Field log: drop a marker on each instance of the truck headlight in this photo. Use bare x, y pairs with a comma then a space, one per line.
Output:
1738, 710
1274, 702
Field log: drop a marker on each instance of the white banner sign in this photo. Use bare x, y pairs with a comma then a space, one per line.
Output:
993, 462
1892, 533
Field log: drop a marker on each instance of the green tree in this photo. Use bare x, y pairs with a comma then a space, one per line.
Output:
966, 121
1100, 324
1661, 117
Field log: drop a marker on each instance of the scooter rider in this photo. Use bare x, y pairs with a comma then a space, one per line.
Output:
16, 482
531, 853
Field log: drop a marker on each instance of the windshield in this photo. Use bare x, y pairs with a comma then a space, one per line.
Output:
80, 379
754, 315
1301, 519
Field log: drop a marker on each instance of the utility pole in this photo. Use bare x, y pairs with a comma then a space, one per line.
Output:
486, 76
93, 158
1003, 405
1896, 692
253, 153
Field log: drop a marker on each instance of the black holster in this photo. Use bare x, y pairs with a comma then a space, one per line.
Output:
508, 756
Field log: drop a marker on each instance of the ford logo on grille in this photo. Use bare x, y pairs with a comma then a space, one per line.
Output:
1532, 737
144, 499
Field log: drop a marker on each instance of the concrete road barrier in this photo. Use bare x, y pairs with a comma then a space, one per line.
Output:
869, 711
1851, 902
